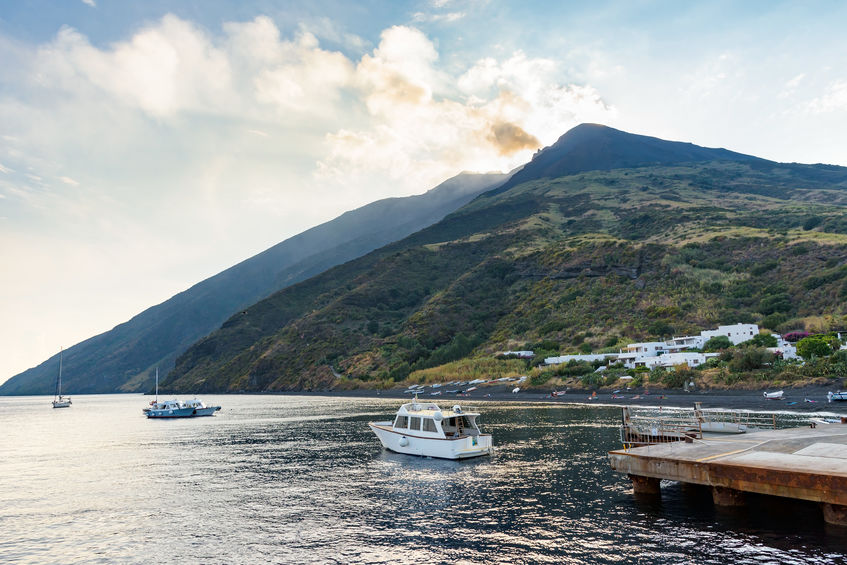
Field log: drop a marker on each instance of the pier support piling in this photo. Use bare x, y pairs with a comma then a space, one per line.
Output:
645, 485
723, 496
835, 514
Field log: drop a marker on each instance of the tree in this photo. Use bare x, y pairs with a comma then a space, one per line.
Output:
717, 343
813, 346
749, 359
761, 340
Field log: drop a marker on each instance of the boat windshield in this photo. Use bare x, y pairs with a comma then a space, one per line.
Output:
460, 425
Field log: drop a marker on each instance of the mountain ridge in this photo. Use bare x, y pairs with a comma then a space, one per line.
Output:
124, 358
599, 254
595, 147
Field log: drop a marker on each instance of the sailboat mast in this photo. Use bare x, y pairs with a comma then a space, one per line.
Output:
59, 382
157, 384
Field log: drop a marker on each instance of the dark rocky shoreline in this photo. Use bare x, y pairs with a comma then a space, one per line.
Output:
803, 399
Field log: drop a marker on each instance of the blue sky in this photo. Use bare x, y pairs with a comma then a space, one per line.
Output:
147, 145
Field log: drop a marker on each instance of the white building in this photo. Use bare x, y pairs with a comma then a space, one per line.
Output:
590, 358
646, 354
689, 358
685, 342
635, 351
784, 348
736, 333
673, 352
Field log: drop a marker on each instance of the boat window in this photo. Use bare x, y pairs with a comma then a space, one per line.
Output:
429, 425
414, 423
401, 422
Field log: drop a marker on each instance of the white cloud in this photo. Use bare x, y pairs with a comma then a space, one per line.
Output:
89, 3
834, 99
325, 28
423, 130
198, 149
447, 17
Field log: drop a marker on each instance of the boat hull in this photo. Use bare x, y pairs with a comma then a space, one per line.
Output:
171, 413
463, 447
207, 411
57, 404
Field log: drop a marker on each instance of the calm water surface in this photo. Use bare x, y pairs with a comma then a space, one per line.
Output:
286, 479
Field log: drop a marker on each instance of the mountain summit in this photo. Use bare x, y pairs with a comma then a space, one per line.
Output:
594, 147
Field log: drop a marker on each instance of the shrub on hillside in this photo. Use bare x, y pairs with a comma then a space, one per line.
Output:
774, 303
773, 321
677, 378
795, 336
750, 359
717, 343
760, 340
814, 346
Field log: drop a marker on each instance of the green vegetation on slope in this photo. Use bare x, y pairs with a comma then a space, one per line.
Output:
575, 263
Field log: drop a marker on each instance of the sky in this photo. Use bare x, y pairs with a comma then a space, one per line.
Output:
145, 146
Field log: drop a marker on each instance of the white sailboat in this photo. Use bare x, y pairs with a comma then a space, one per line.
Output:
60, 401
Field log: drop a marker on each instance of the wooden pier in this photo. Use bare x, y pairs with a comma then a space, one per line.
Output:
807, 463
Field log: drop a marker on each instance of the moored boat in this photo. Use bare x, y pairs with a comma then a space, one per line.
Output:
422, 428
836, 396
773, 395
168, 409
60, 401
177, 408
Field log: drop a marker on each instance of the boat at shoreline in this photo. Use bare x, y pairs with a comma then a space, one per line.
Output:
773, 395
60, 401
836, 396
422, 428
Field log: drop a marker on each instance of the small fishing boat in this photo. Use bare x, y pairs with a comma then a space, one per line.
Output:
60, 401
836, 396
422, 428
773, 395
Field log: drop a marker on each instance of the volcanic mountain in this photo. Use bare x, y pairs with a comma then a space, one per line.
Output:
604, 236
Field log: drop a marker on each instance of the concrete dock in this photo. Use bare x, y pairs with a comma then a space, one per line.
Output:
807, 463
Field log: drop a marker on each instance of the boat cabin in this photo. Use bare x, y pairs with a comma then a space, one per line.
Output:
425, 419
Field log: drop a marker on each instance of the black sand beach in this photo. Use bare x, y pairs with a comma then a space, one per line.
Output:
803, 399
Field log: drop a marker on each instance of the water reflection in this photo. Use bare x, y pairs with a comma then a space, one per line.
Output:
302, 479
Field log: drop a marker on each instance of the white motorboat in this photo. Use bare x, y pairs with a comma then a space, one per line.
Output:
60, 401
773, 395
168, 409
422, 428
177, 408
840, 395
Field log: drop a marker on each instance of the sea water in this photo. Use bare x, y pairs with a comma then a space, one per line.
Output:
301, 479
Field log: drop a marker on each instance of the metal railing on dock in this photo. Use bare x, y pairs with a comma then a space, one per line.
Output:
651, 426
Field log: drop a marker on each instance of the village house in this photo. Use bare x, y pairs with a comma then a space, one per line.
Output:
675, 351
